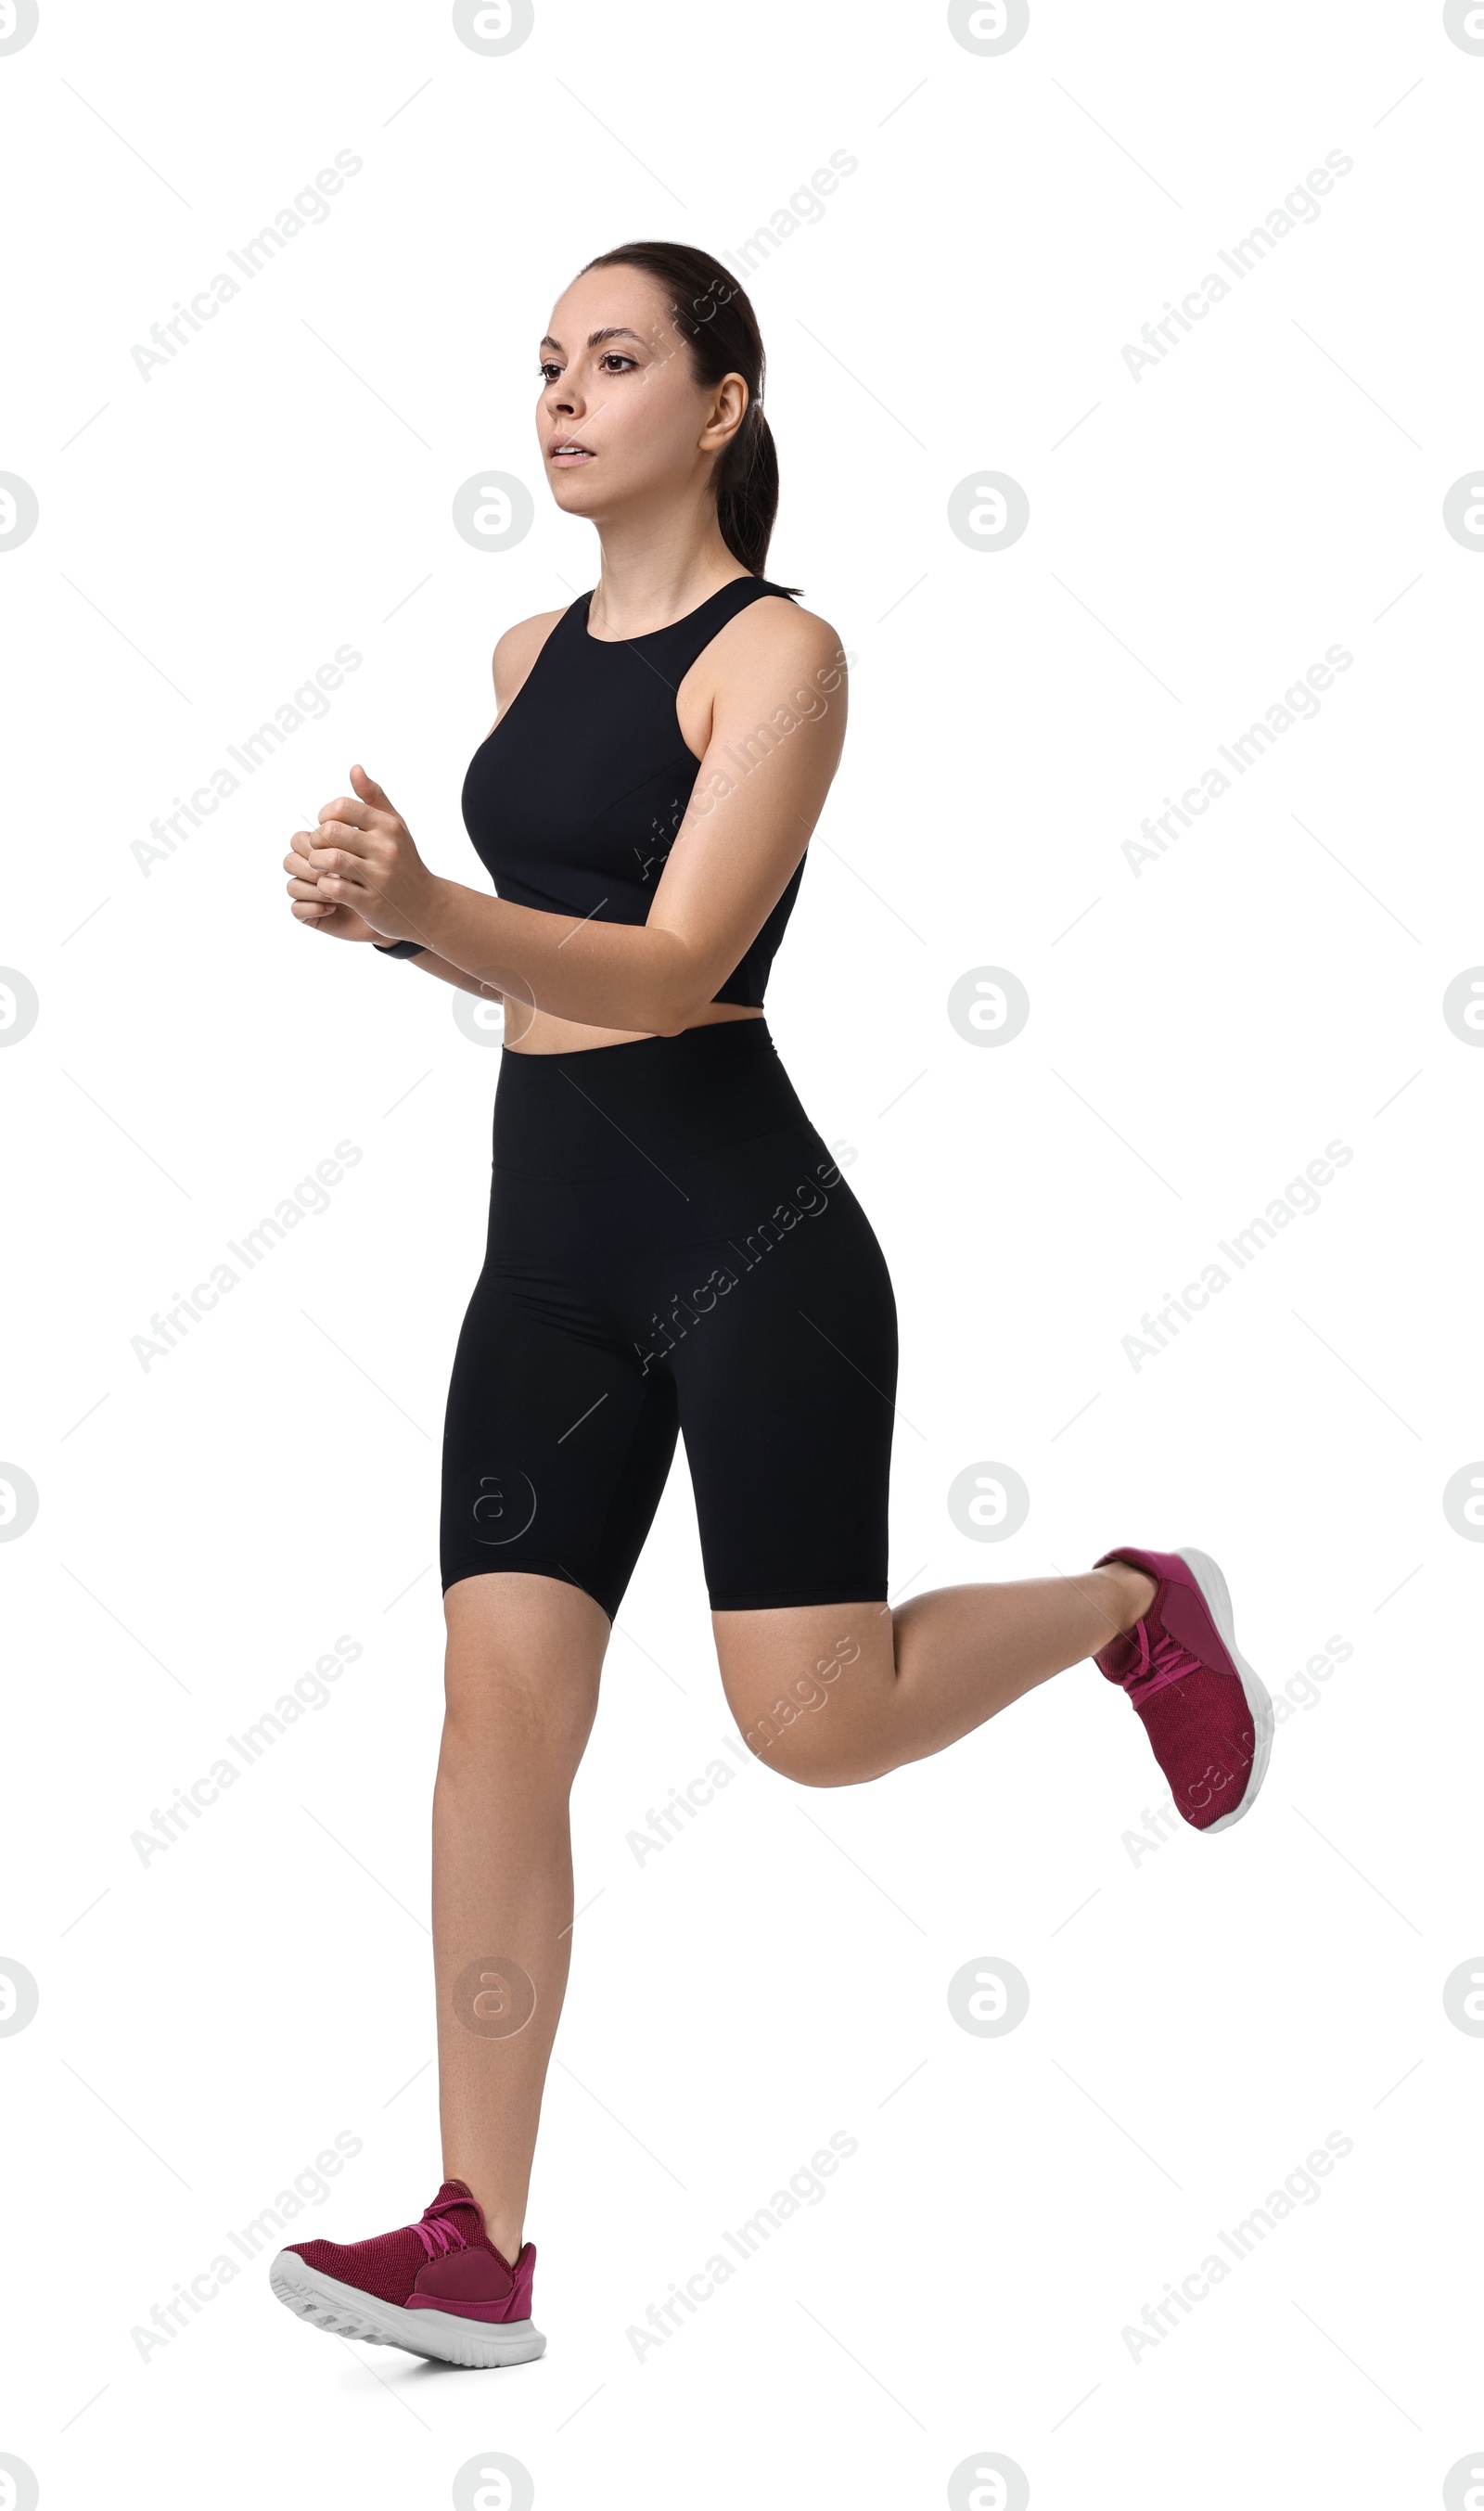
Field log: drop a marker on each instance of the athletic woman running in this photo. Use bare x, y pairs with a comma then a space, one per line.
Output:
670, 1248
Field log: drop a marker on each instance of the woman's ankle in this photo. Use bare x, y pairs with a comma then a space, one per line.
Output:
507, 2237
1133, 1591
503, 2226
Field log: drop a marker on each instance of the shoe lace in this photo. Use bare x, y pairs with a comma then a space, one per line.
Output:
436, 2235
1164, 1662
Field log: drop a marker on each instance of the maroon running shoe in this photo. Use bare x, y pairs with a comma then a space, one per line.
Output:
1207, 1714
438, 2287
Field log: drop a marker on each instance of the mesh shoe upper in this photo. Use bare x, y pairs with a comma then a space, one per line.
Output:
1176, 1669
444, 2261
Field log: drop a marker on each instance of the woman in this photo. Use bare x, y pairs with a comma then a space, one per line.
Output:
670, 1246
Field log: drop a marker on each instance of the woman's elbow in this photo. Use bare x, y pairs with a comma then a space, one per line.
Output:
677, 999
676, 1018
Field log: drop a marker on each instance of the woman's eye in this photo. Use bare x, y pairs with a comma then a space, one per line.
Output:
613, 360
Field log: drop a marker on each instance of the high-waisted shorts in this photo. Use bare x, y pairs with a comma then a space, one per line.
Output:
671, 1248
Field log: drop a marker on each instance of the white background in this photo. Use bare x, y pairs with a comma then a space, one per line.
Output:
1202, 2013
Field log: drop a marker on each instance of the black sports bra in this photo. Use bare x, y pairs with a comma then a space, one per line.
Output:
574, 800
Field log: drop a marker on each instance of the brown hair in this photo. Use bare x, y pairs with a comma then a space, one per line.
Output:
714, 316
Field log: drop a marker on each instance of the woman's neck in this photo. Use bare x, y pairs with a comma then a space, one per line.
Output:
648, 578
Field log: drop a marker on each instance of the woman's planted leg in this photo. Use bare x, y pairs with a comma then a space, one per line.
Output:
524, 1654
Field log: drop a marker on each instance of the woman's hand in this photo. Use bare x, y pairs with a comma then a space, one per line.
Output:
310, 908
359, 875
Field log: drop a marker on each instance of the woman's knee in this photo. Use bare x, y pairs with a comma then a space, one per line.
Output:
518, 1706
521, 1670
806, 1735
803, 1694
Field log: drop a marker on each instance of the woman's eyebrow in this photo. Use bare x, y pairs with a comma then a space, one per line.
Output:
596, 339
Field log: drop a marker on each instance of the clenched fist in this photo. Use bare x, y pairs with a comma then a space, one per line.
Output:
359, 875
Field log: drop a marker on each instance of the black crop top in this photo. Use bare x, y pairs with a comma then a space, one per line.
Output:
574, 800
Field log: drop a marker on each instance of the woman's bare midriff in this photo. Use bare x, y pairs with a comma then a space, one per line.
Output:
545, 1035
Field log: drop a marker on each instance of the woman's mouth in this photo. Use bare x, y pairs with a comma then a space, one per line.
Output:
567, 452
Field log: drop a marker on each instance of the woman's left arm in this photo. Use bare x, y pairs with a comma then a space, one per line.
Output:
778, 723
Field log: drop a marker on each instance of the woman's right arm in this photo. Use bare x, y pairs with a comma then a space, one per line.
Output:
513, 658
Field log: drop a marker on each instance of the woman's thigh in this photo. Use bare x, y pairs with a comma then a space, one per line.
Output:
785, 1367
557, 1441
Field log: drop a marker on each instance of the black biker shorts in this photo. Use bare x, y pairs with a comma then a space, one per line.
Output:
672, 1247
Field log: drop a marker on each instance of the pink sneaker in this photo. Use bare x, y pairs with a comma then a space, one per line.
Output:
1207, 1714
438, 2287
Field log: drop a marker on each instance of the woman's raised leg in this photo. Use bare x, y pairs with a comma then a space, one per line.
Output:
834, 1693
831, 1694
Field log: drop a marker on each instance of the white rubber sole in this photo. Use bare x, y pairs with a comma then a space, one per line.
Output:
1218, 1603
474, 2344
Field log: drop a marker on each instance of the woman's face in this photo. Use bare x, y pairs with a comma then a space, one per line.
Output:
618, 383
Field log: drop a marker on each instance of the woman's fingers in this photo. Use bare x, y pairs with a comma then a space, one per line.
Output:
335, 863
323, 887
370, 792
329, 867
347, 812
355, 844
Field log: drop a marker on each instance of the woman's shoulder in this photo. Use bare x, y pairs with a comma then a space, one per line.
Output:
514, 655
777, 622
